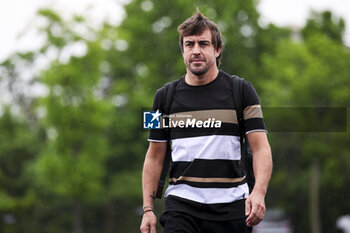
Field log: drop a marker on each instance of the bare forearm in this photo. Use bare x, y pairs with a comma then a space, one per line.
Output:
262, 164
151, 172
150, 178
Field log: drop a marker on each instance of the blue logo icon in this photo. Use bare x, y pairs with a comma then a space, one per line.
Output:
151, 120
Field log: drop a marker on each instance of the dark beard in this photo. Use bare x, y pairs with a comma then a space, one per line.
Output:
199, 72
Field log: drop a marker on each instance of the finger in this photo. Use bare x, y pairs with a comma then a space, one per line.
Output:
247, 206
153, 229
257, 214
144, 229
252, 215
261, 213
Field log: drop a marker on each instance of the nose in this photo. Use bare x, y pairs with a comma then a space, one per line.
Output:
196, 49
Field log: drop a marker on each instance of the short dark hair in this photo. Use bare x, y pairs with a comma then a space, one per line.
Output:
196, 24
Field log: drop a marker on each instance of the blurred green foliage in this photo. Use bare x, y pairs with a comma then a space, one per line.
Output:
71, 160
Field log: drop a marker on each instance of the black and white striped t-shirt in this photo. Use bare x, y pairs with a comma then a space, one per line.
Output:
206, 178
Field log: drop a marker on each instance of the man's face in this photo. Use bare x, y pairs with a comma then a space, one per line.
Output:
199, 52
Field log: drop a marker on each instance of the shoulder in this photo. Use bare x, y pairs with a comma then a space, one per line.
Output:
161, 96
231, 78
248, 88
168, 86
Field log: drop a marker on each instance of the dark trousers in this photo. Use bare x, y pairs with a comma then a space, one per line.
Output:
175, 222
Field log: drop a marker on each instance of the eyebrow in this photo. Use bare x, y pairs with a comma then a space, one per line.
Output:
200, 41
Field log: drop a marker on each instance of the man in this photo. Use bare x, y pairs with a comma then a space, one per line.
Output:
207, 190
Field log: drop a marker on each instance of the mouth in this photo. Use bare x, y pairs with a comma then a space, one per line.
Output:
197, 60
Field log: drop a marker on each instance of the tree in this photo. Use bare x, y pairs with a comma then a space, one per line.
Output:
71, 165
325, 23
310, 74
19, 144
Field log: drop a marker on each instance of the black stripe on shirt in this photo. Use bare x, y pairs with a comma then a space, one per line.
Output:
218, 168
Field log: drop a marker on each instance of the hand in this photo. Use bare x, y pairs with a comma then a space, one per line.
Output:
254, 208
149, 222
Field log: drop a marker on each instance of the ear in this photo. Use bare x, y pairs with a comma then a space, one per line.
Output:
218, 52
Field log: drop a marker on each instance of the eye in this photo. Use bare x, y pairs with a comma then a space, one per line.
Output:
204, 43
189, 43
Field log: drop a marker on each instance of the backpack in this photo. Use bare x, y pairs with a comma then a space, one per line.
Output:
166, 98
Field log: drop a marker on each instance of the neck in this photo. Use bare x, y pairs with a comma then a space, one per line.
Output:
195, 80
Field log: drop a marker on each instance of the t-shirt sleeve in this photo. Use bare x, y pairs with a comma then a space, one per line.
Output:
157, 135
252, 113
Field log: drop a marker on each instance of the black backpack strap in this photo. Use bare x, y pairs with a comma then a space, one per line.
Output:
166, 101
246, 153
237, 84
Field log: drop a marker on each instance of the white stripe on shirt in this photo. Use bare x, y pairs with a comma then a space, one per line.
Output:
208, 195
206, 147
